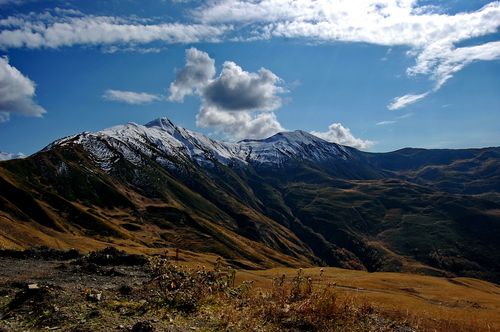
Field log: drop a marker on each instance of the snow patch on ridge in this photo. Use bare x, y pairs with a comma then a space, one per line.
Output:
163, 141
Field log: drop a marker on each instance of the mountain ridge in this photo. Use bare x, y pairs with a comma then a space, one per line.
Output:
291, 199
175, 140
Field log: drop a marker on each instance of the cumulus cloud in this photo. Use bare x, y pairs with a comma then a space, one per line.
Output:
239, 125
403, 101
339, 134
130, 97
16, 93
239, 90
428, 30
195, 75
236, 103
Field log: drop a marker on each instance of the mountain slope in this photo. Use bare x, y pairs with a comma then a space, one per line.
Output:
75, 197
468, 171
292, 199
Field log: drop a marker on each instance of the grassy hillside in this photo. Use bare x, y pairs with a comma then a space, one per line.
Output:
448, 304
85, 208
388, 224
345, 213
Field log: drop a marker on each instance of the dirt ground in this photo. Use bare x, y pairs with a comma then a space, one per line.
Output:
67, 297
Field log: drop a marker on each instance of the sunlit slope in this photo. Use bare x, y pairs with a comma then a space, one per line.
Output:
431, 302
289, 200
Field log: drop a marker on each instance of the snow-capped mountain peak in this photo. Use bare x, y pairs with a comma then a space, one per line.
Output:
164, 142
163, 124
298, 144
290, 137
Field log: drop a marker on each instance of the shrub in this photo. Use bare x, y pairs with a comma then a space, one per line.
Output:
184, 289
299, 303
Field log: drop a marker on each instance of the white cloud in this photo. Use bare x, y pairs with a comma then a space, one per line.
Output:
67, 11
403, 101
132, 49
237, 104
52, 31
339, 134
16, 93
383, 22
130, 97
9, 156
239, 90
442, 61
385, 123
196, 74
239, 125
431, 33
405, 116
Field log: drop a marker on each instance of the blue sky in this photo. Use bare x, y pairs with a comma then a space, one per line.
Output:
379, 75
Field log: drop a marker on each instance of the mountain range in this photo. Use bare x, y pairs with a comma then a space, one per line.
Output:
292, 199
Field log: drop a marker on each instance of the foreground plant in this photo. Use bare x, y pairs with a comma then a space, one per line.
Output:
295, 303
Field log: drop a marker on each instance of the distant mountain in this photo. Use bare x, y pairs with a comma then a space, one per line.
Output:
291, 199
465, 171
9, 156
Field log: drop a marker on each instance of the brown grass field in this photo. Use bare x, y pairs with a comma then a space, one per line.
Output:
431, 303
426, 302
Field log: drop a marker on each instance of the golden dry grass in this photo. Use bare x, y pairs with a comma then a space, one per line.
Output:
444, 304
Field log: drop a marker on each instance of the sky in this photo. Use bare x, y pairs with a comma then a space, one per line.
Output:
378, 75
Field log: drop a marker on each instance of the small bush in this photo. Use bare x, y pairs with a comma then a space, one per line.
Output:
185, 289
297, 303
